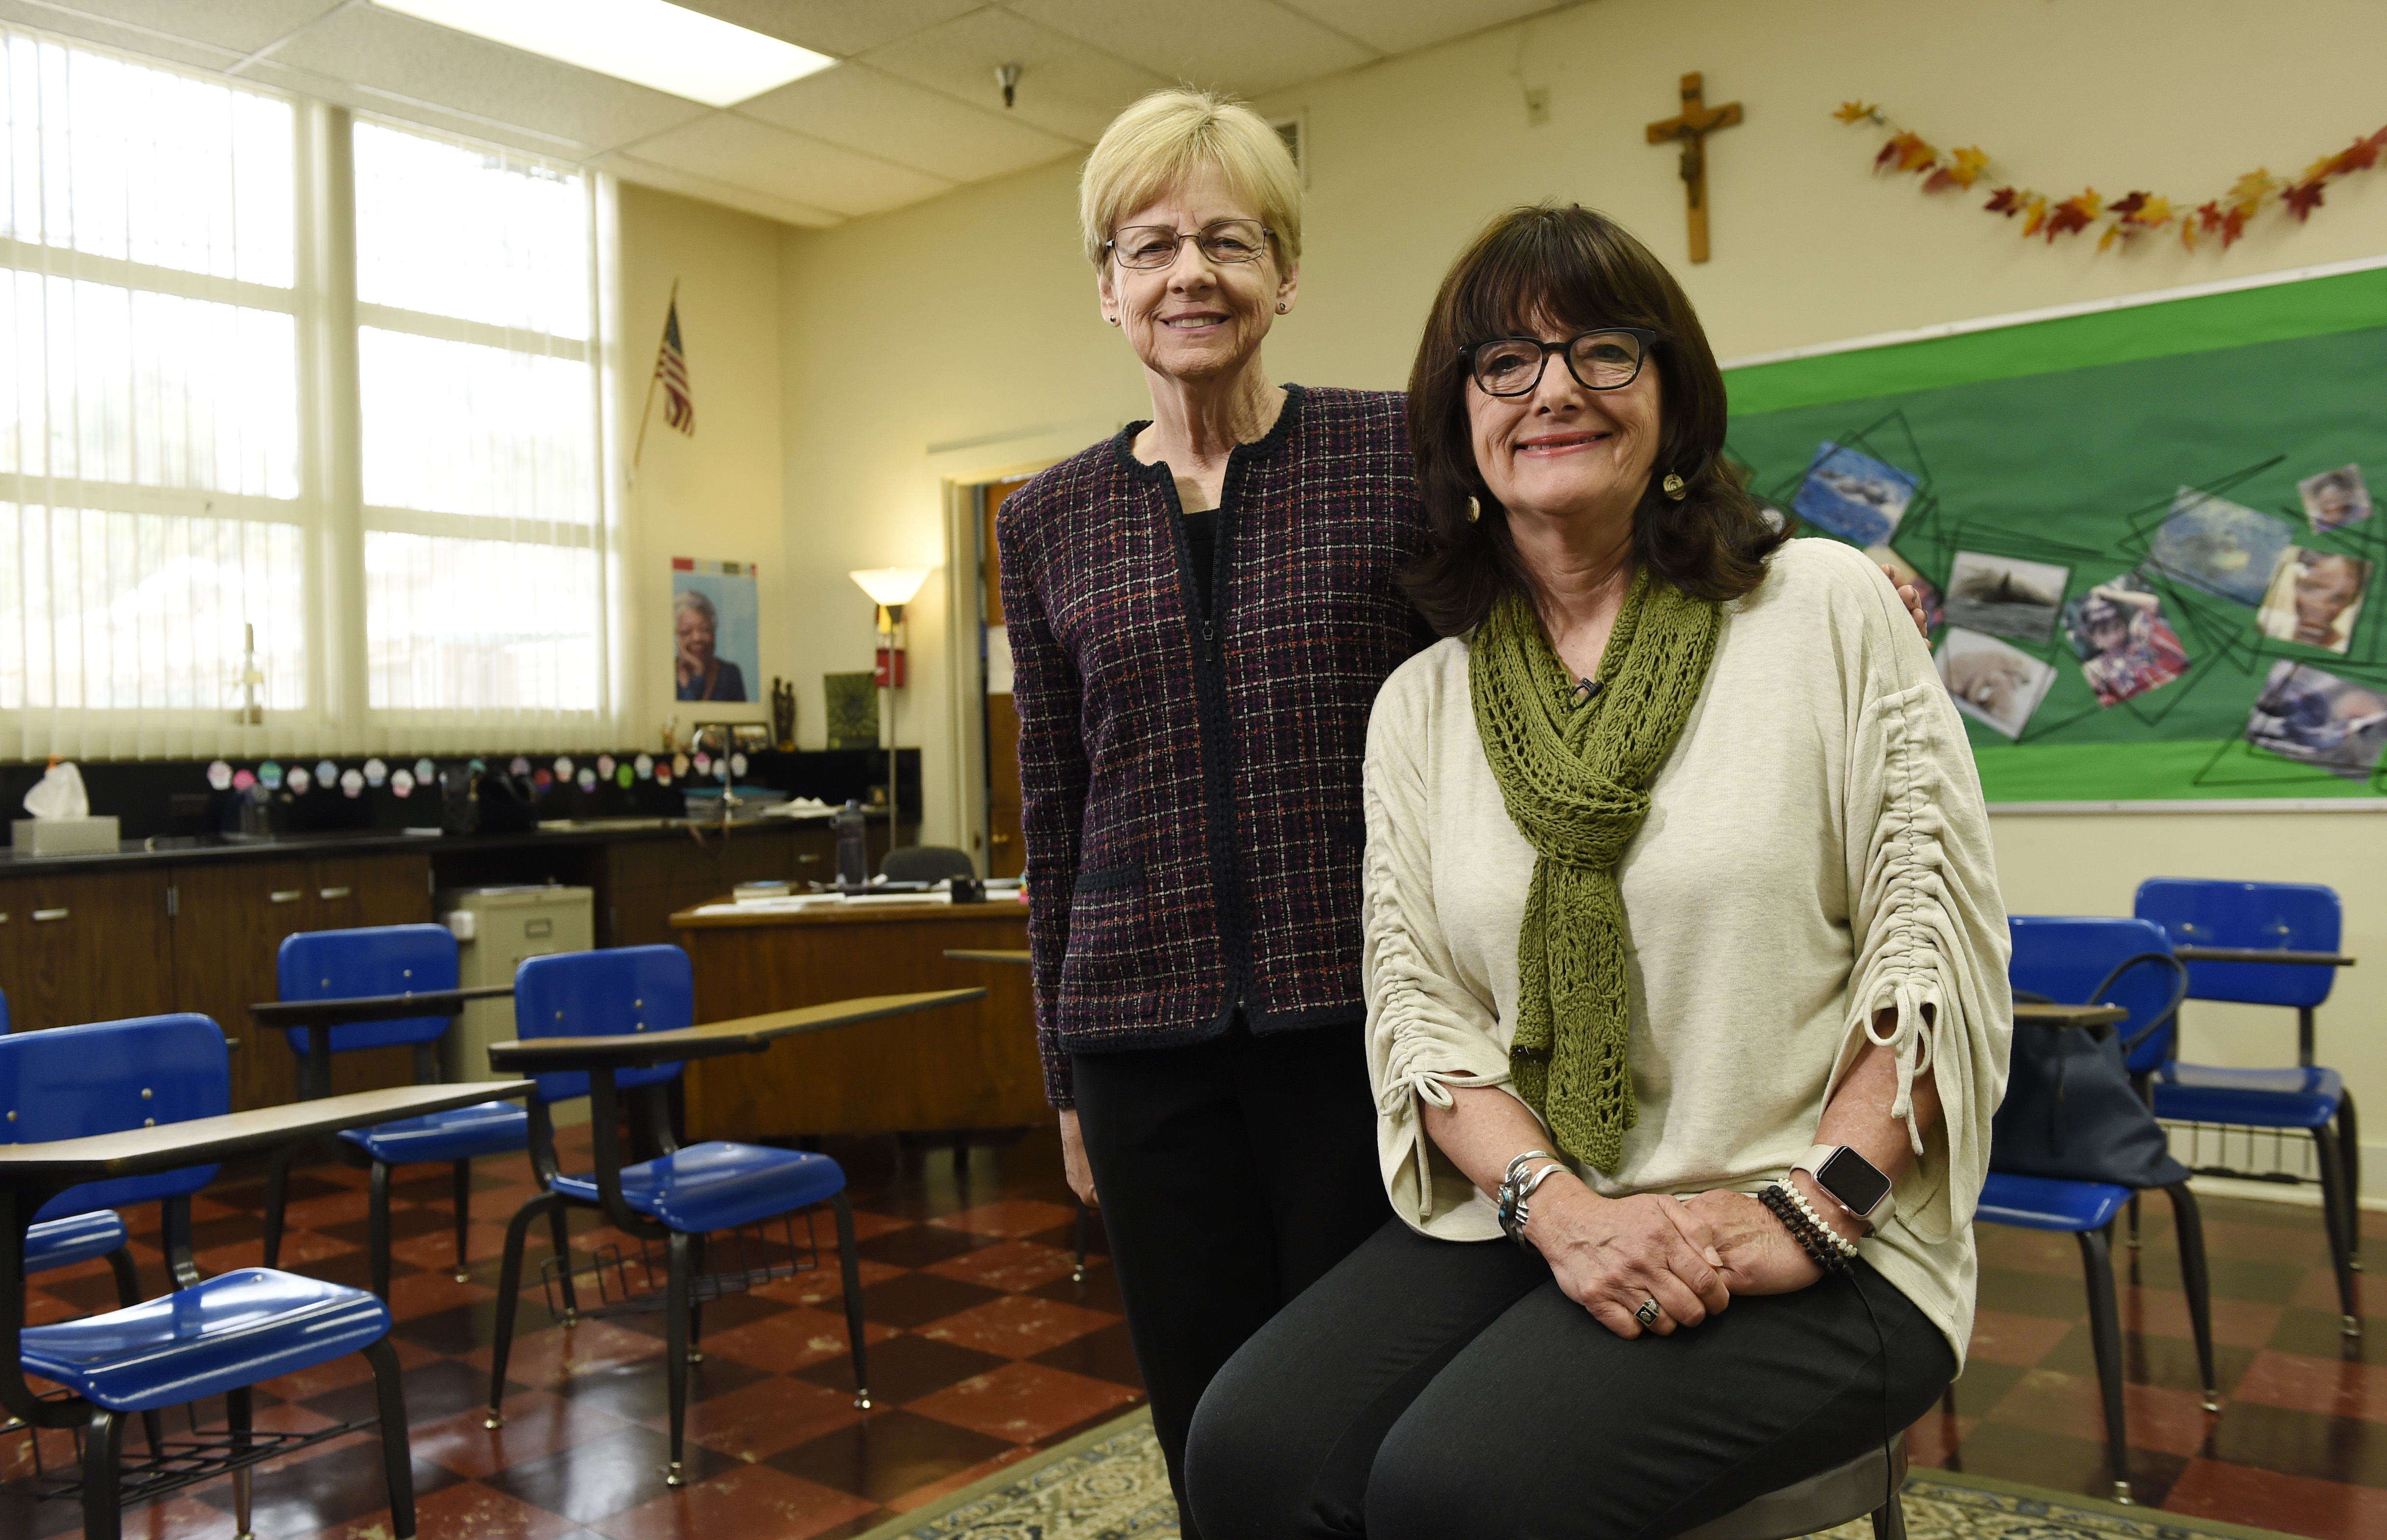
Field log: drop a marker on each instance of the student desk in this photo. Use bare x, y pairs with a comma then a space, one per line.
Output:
970, 1065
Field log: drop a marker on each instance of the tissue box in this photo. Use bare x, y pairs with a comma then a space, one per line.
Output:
65, 837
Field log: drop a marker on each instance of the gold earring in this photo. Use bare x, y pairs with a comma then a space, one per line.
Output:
1674, 486
1474, 511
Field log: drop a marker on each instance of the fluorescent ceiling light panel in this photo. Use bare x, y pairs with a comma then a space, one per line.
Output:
650, 43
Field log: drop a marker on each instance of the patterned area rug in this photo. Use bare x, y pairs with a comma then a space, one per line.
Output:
1111, 1485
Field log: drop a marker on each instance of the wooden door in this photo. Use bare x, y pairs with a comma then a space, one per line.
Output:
1007, 850
94, 947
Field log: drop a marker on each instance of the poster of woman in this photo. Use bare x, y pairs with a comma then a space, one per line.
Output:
2315, 598
715, 634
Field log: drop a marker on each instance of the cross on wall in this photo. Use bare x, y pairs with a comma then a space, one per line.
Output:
1691, 129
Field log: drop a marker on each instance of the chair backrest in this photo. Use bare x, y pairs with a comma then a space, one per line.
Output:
2266, 916
106, 1076
2066, 958
926, 863
607, 993
382, 959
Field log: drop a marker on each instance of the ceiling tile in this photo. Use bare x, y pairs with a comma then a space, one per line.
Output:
240, 26
1397, 26
788, 165
110, 34
856, 106
840, 27
1066, 86
413, 59
629, 167
1247, 46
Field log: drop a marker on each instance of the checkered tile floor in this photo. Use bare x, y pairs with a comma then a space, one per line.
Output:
982, 1351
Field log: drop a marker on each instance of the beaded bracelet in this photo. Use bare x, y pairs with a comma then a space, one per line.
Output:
1839, 1243
1778, 1202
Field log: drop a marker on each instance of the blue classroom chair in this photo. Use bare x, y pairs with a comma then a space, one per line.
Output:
681, 1196
216, 1336
67, 1237
2305, 1098
2126, 963
391, 959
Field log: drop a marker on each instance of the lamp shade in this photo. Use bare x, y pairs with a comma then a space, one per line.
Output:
891, 586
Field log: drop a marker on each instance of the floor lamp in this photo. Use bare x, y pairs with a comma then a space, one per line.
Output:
890, 589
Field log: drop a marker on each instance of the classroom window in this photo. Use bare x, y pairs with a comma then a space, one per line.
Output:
179, 481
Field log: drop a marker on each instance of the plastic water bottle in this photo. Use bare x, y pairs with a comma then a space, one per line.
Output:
853, 859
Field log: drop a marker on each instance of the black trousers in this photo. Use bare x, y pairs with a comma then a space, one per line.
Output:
1233, 1174
1444, 1391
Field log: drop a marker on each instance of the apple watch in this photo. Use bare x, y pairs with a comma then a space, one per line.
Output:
1851, 1181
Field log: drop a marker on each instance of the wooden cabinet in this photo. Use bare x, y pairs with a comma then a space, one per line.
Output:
229, 921
85, 946
641, 883
99, 944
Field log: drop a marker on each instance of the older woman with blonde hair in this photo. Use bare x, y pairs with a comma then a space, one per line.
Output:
1200, 610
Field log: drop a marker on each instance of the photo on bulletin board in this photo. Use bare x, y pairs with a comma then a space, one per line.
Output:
1852, 494
2124, 646
2314, 599
2317, 718
716, 631
2335, 499
2226, 548
1994, 683
2005, 595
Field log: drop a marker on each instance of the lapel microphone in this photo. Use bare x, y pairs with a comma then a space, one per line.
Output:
1583, 692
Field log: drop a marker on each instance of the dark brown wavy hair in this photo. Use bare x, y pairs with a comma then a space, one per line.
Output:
1573, 269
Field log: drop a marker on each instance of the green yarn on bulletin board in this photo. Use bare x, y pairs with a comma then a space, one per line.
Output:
2063, 444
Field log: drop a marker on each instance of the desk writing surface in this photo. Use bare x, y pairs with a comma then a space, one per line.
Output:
2258, 954
927, 910
713, 1039
2045, 1014
969, 1066
351, 1010
206, 1141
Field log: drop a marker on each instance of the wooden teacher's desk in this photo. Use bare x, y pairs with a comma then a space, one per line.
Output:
970, 1065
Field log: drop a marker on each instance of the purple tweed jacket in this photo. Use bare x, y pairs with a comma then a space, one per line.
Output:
1190, 790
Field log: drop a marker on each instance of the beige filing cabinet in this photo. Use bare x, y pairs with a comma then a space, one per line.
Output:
495, 930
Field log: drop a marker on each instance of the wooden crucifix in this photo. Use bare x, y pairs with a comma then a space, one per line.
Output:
1691, 129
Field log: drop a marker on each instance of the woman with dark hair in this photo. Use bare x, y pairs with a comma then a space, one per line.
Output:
1684, 967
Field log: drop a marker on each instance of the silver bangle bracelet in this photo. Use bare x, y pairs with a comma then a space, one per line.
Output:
1515, 1211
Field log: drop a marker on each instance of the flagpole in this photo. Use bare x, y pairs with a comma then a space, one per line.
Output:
647, 412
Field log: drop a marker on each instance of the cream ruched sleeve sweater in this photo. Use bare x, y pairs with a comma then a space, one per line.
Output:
1816, 851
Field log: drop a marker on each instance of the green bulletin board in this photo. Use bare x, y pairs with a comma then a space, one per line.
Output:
2077, 444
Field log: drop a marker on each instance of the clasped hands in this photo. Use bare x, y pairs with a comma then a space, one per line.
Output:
1609, 1255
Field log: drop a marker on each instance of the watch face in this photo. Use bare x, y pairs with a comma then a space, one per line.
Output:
1853, 1179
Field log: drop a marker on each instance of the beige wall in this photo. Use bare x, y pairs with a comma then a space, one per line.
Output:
717, 495
958, 339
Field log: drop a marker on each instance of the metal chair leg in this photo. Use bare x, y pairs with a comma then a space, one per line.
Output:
396, 1460
2106, 1336
463, 1193
696, 1264
1889, 1520
277, 1188
850, 1267
103, 1451
676, 1309
1078, 1273
2131, 1239
128, 1295
377, 1232
560, 1231
2345, 1228
239, 1417
2349, 1158
2196, 1278
509, 1296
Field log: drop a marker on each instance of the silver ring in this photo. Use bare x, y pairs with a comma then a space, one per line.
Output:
1648, 1313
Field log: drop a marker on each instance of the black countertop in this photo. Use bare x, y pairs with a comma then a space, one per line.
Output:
194, 849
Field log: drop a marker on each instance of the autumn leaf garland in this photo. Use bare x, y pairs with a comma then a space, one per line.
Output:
1907, 153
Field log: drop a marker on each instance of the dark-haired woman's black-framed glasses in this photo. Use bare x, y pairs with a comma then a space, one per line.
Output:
1148, 246
1609, 359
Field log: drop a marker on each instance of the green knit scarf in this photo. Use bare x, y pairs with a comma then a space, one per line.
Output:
1575, 780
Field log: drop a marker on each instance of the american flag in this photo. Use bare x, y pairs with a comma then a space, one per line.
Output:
671, 368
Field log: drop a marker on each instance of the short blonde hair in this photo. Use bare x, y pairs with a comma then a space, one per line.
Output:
1170, 134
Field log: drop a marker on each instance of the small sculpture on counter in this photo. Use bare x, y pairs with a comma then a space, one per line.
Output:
783, 714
